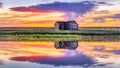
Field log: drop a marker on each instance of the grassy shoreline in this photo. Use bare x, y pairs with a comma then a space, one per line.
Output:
37, 37
87, 35
62, 32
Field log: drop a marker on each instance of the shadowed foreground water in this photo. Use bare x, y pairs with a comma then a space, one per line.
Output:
59, 54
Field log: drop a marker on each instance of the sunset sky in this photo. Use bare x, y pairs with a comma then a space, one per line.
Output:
44, 13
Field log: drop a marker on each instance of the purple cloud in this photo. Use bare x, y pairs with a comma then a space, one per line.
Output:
0, 5
1, 62
99, 20
116, 16
79, 8
71, 10
104, 3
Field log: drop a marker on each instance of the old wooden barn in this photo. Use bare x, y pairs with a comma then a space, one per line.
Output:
68, 25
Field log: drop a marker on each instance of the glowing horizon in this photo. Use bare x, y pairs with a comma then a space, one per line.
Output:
45, 14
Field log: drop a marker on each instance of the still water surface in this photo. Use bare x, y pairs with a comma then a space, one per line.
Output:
59, 54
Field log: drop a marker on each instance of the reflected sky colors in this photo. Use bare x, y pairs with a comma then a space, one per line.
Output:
44, 13
45, 54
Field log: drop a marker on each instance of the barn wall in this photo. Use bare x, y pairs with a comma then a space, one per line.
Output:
72, 25
60, 26
56, 26
69, 25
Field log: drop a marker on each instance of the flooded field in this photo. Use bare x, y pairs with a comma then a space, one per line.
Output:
59, 54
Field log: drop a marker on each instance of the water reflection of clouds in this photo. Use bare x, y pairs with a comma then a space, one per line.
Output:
113, 51
78, 59
103, 49
1, 62
99, 48
95, 54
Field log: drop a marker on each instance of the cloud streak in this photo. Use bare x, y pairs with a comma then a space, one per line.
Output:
99, 20
72, 10
0, 5
80, 7
116, 16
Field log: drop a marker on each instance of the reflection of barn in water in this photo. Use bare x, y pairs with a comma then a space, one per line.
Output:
69, 25
66, 45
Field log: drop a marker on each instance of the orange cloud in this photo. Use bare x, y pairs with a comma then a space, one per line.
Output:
19, 19
106, 16
47, 19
